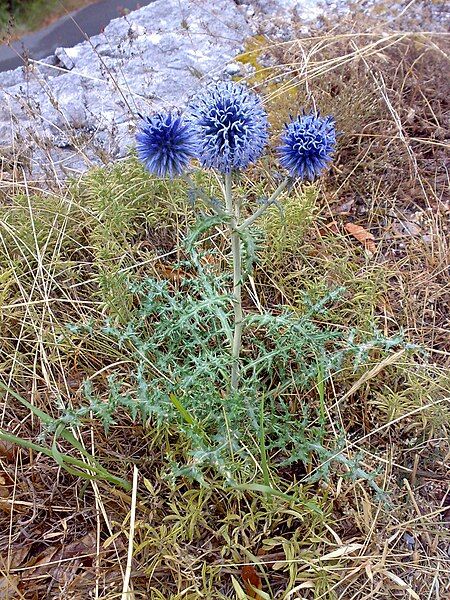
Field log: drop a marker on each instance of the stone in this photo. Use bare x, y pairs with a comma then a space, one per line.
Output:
80, 106
64, 59
233, 69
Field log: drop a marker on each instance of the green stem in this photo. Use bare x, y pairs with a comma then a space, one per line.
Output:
233, 212
65, 461
252, 218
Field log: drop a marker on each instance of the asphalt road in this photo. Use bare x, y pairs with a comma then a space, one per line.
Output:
67, 31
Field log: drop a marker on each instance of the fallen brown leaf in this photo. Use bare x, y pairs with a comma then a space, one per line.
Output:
363, 236
49, 563
330, 226
6, 485
252, 581
7, 450
18, 556
8, 587
86, 545
41, 564
167, 272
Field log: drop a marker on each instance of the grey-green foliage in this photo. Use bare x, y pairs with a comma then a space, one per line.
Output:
178, 340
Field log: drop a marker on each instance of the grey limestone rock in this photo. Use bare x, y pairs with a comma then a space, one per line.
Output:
80, 106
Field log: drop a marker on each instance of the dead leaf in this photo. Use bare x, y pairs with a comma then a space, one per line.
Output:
252, 581
342, 551
210, 259
363, 236
18, 556
42, 564
170, 273
4, 492
86, 545
330, 226
8, 587
401, 584
6, 485
306, 585
7, 450
49, 563
406, 229
369, 572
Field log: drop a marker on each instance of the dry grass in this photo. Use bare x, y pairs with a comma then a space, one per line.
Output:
63, 257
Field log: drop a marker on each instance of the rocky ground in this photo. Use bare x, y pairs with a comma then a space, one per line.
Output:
79, 106
32, 35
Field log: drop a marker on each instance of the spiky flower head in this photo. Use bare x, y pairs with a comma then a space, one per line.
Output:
307, 145
165, 142
231, 124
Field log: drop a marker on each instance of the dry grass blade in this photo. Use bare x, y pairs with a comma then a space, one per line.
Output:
127, 592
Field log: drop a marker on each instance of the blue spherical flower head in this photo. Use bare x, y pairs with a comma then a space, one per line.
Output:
165, 142
307, 145
231, 125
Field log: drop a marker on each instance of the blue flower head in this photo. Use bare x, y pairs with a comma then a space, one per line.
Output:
307, 145
231, 125
165, 143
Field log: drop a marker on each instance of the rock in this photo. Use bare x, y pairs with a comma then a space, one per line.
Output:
307, 9
233, 69
284, 19
64, 58
80, 106
12, 78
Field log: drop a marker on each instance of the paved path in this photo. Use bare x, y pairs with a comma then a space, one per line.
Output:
67, 31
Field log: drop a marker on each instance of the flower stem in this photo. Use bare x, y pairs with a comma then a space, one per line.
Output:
233, 209
252, 218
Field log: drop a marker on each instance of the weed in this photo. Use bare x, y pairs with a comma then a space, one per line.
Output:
178, 340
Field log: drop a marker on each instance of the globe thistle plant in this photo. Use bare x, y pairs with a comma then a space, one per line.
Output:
231, 125
226, 128
165, 143
307, 145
